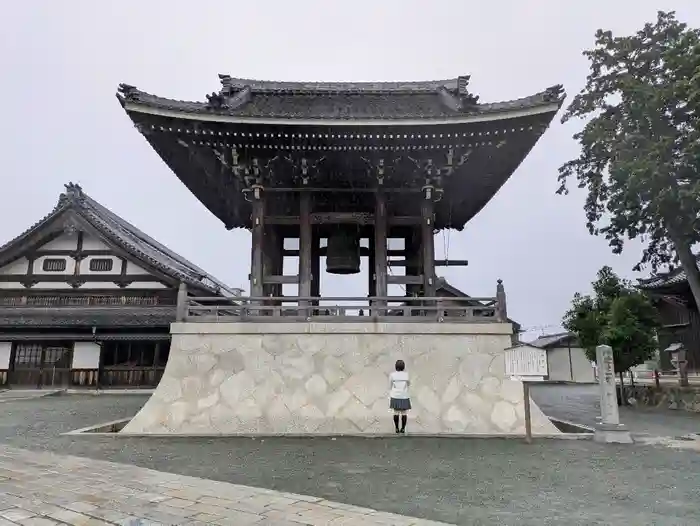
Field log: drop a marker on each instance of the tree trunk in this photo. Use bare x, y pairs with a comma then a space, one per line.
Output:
621, 399
689, 264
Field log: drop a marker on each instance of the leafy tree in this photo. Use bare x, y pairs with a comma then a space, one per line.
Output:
640, 146
616, 314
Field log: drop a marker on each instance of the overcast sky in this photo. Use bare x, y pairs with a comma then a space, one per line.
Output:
61, 63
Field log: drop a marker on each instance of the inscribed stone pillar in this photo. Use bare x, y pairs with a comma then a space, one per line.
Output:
606, 382
610, 429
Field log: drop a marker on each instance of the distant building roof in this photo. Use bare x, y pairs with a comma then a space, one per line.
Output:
74, 204
552, 340
443, 285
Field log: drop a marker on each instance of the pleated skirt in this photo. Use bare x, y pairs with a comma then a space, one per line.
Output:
400, 404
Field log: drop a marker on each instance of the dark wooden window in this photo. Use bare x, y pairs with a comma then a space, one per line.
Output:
28, 355
134, 354
54, 265
39, 364
101, 264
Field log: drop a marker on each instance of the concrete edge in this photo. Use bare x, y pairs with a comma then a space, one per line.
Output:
105, 425
585, 428
97, 392
87, 432
213, 328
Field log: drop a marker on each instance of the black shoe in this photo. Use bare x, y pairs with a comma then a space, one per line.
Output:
398, 431
402, 431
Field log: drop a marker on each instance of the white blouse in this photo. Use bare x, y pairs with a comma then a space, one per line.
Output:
399, 383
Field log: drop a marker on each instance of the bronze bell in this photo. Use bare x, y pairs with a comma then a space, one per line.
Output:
343, 252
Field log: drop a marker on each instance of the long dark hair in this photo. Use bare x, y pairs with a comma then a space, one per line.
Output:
400, 366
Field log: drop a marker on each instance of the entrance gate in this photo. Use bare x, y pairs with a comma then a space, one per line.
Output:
37, 365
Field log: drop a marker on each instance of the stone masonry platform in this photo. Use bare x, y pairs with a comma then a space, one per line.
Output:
43, 489
332, 378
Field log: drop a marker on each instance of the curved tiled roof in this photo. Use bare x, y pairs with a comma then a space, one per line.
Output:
674, 277
247, 98
86, 317
130, 238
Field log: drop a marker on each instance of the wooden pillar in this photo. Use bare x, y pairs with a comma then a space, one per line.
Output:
501, 308
182, 306
371, 269
413, 260
305, 246
273, 259
258, 241
315, 267
428, 243
380, 246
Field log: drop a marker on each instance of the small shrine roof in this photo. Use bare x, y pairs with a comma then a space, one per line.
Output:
552, 340
340, 101
123, 234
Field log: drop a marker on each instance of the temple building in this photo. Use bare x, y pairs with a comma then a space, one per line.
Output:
678, 313
346, 175
86, 300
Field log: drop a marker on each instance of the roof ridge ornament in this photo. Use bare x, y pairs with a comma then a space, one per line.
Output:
73, 194
128, 91
554, 93
229, 99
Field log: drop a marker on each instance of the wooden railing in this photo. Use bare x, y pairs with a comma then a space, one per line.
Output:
342, 309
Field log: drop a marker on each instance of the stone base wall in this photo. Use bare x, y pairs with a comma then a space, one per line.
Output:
325, 378
666, 397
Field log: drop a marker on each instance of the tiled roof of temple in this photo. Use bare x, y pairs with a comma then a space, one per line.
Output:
124, 235
246, 98
28, 317
666, 279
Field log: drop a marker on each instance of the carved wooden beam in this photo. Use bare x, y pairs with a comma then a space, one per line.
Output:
438, 263
343, 218
281, 280
404, 280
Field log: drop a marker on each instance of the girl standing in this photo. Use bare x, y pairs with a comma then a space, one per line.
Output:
399, 400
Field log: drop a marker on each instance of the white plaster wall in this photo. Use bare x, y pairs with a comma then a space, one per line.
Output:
102, 285
85, 266
50, 285
11, 285
5, 351
39, 264
93, 243
86, 355
233, 378
559, 368
18, 266
64, 242
146, 285
133, 268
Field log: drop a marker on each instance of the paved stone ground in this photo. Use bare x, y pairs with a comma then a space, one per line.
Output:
474, 482
38, 489
8, 395
580, 404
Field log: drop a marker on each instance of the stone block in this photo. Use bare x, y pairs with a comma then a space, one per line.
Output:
257, 378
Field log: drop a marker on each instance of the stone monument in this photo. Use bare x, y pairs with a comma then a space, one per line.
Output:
610, 430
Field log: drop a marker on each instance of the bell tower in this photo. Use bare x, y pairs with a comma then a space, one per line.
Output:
331, 218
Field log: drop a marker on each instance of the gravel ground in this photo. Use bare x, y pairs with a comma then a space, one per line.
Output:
461, 481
